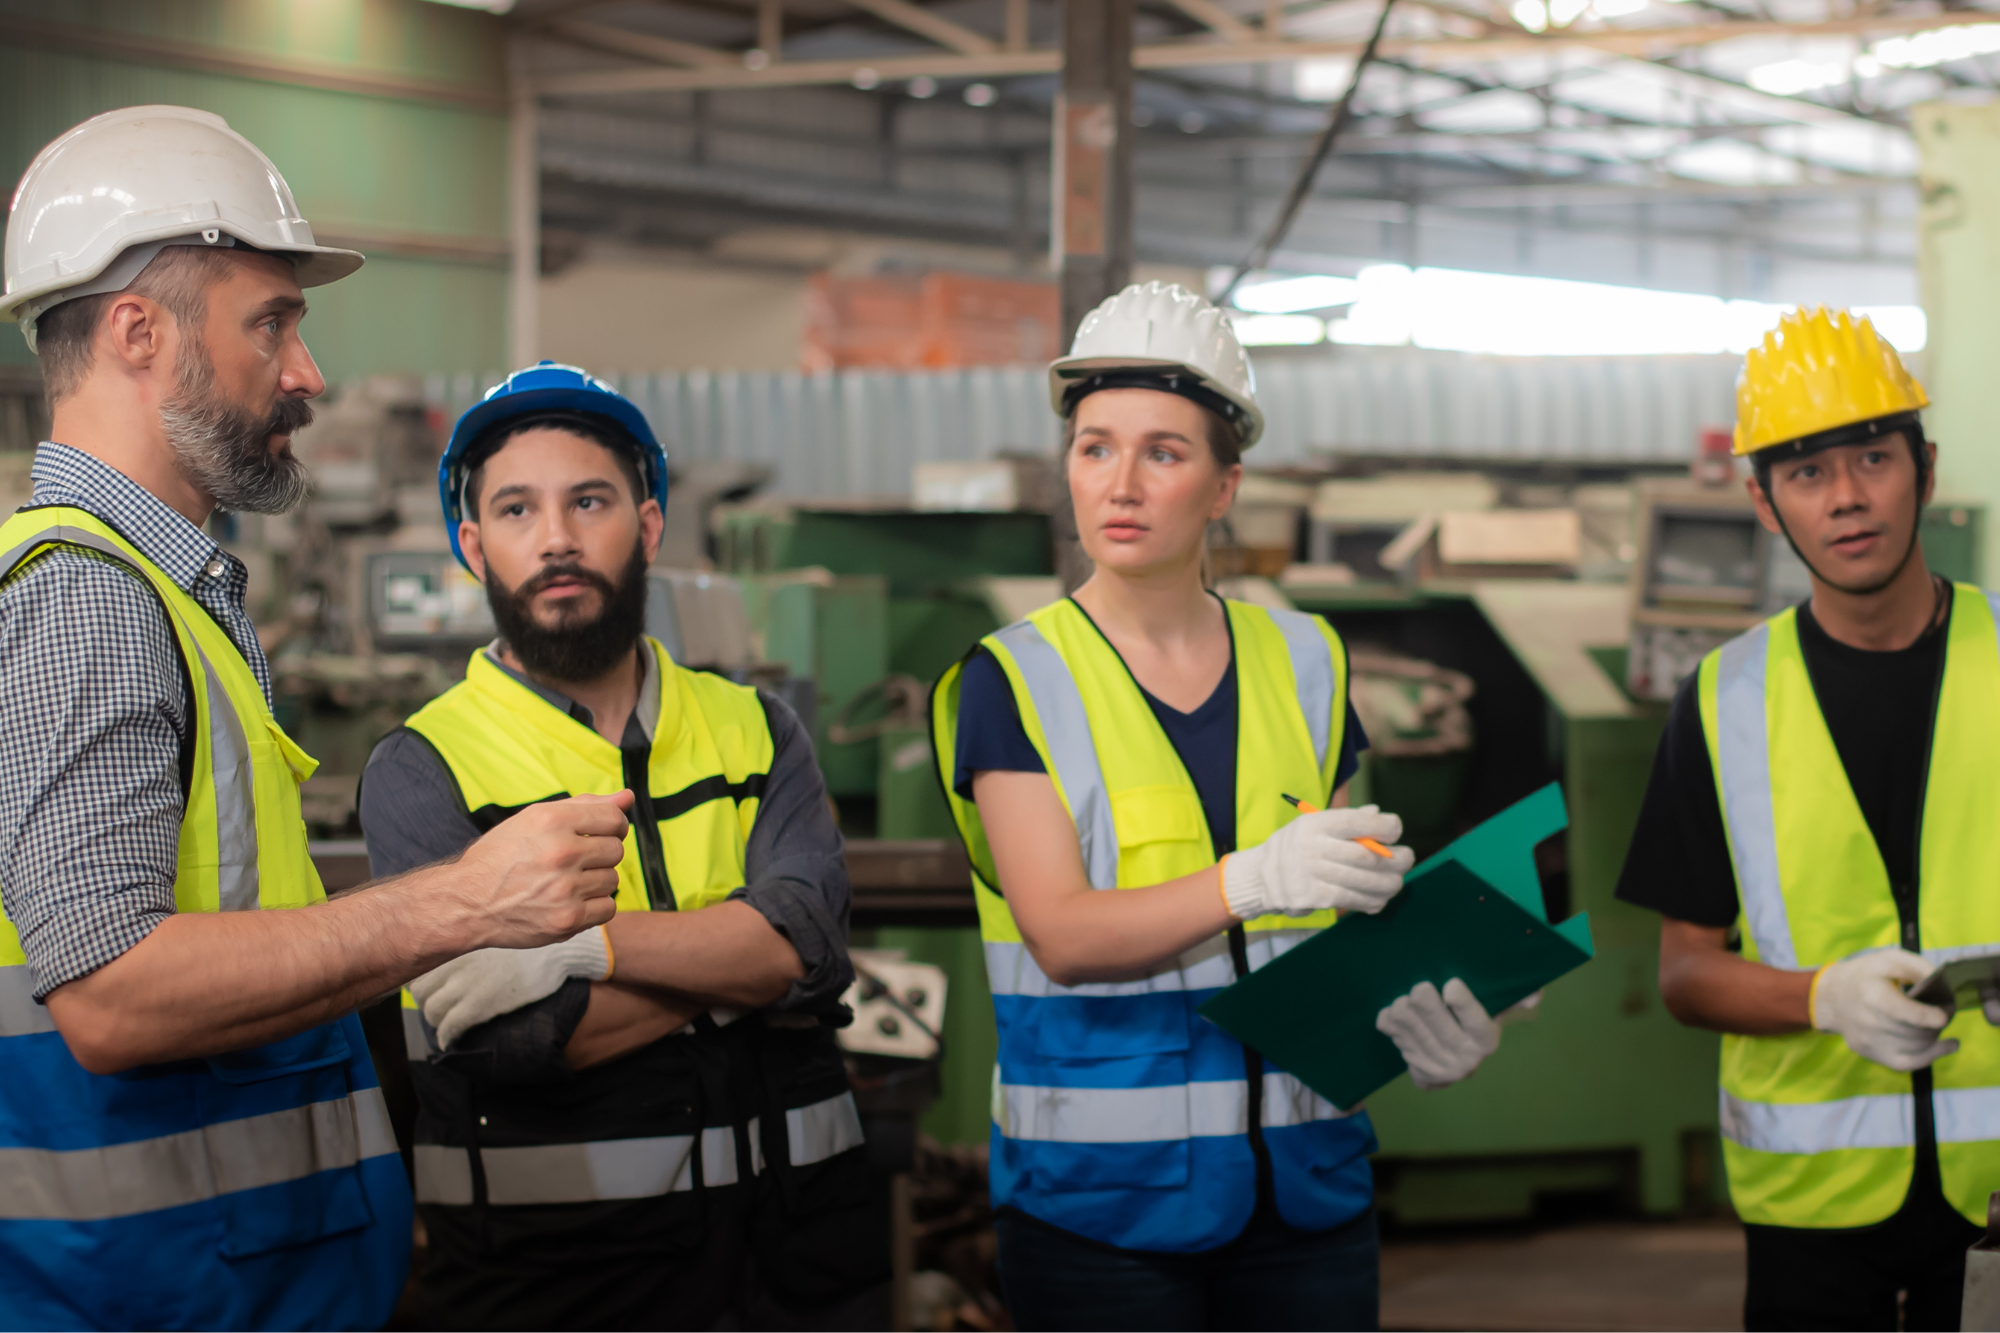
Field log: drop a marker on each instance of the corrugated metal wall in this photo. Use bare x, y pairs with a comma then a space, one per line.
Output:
859, 432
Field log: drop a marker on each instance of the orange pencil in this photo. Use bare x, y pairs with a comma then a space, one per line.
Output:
1369, 843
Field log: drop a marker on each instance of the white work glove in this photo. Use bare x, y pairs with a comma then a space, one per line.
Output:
486, 983
1862, 999
1313, 863
1443, 1037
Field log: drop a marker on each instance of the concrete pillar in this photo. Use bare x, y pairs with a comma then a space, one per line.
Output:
1091, 232
524, 215
1959, 264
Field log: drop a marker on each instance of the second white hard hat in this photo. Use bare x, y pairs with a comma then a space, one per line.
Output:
1161, 331
97, 204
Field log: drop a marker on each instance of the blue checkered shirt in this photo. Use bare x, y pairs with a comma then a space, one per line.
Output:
94, 718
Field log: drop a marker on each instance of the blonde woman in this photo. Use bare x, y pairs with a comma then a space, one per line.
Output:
1144, 735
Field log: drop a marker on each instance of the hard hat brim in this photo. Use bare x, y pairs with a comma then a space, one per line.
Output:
312, 266
1068, 370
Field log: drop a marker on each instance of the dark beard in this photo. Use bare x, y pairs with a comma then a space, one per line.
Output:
575, 650
225, 450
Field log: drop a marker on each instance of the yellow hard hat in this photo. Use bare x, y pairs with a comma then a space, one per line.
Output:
1817, 371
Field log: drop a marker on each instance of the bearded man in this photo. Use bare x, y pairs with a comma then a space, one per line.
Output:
648, 1126
191, 1133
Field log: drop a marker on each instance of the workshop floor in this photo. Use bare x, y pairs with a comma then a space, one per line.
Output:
1603, 1275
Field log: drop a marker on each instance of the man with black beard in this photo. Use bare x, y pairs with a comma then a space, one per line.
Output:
646, 1126
1819, 833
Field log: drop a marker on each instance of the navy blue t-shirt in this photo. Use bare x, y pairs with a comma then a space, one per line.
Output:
990, 736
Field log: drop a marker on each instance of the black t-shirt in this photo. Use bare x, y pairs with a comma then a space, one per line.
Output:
1879, 708
990, 736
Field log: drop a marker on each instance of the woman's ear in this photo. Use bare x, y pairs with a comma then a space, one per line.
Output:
1225, 495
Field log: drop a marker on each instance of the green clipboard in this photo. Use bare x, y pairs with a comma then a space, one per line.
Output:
1473, 911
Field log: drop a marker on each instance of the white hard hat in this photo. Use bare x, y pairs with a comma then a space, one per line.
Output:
1163, 336
96, 205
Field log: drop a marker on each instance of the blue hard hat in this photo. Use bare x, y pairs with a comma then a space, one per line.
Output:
554, 390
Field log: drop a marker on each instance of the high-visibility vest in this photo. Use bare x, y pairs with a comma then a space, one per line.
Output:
696, 796
1119, 1112
1814, 1135
261, 1188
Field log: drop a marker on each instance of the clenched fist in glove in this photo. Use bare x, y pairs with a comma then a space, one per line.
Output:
1443, 1037
1314, 863
1862, 1000
482, 985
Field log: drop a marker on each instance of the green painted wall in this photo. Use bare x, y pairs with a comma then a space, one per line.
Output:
1959, 262
388, 174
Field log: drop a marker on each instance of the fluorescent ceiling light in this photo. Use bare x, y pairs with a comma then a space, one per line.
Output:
1508, 315
1922, 49
1787, 78
1919, 50
490, 6
1290, 296
1321, 80
1531, 14
1279, 330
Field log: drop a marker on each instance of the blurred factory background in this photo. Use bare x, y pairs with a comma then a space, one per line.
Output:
813, 240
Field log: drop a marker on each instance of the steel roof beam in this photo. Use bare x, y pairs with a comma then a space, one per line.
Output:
921, 21
989, 61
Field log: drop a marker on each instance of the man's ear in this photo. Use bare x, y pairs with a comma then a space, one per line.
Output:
1766, 513
468, 543
136, 332
652, 527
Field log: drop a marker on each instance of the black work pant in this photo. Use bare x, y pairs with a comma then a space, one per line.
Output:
1851, 1277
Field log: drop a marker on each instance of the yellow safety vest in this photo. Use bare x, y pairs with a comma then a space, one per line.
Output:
1119, 1112
286, 1144
696, 796
1814, 1135
697, 790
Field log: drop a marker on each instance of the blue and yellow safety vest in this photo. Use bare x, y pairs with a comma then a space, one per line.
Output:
258, 1189
1119, 1112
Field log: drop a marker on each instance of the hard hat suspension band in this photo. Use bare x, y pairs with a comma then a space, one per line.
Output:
121, 273
1178, 383
602, 430
1859, 432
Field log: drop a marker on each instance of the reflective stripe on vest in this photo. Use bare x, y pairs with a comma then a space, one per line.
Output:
174, 1170
1149, 1115
282, 1145
640, 1168
20, 1014
1814, 1135
1121, 1114
1963, 1115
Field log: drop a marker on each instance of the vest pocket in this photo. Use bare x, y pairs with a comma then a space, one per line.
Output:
283, 1146
1165, 813
1105, 1102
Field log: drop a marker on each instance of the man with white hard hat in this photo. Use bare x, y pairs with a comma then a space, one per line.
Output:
191, 1133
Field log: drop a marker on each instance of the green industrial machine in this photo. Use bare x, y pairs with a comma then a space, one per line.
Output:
874, 604
1597, 1096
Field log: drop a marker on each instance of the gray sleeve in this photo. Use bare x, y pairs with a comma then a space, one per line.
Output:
93, 716
412, 815
411, 812
796, 866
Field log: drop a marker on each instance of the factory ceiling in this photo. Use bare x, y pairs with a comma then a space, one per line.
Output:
1740, 146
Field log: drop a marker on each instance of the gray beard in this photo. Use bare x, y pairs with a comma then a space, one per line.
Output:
223, 449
